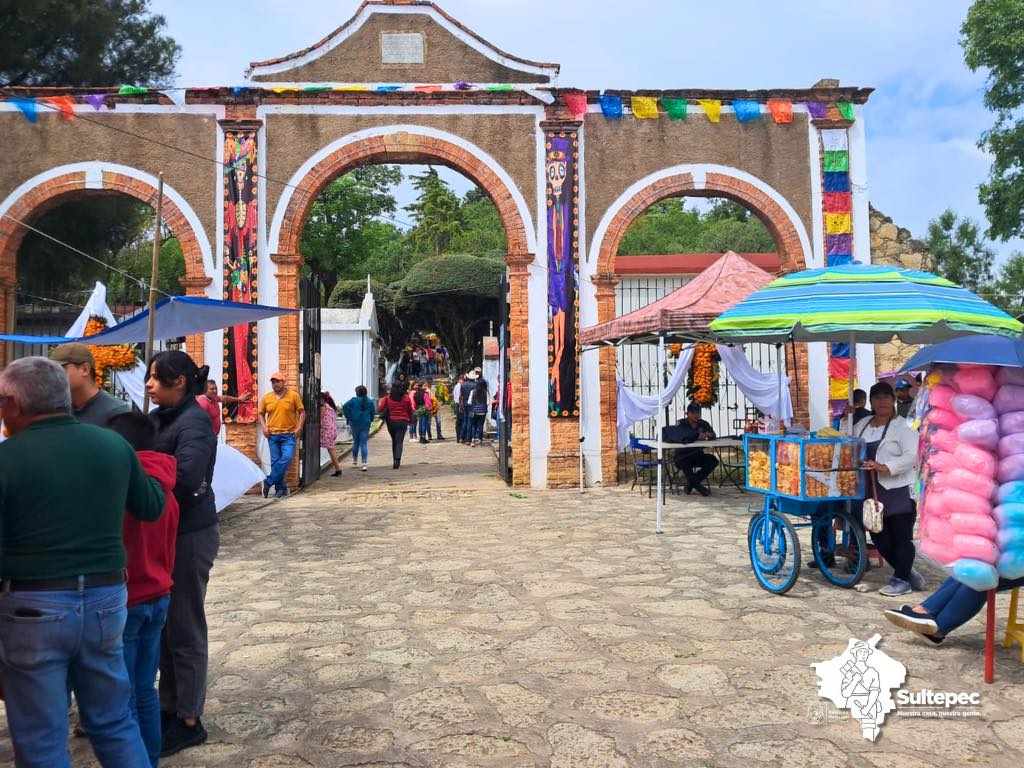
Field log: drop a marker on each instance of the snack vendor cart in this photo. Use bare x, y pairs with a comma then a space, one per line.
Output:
806, 477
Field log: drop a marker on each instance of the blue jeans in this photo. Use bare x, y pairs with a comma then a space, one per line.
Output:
48, 638
954, 604
360, 443
478, 426
424, 425
142, 658
282, 449
437, 423
412, 426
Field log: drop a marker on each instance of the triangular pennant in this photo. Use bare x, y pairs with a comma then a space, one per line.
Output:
27, 107
505, 87
176, 95
747, 110
845, 109
782, 110
429, 88
316, 88
676, 108
577, 103
462, 85
644, 107
712, 108
351, 88
611, 105
129, 90
97, 100
65, 104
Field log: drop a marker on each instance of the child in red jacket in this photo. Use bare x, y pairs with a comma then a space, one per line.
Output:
150, 548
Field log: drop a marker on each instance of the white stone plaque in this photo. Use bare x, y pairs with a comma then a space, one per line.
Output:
401, 48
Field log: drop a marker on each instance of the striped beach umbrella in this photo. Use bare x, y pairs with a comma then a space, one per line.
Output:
865, 303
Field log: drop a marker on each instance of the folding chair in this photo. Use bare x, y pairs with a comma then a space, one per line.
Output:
645, 465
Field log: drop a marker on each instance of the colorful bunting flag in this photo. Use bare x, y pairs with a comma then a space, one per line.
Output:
839, 349
644, 107
837, 160
97, 100
387, 88
175, 95
577, 103
837, 223
838, 202
316, 88
611, 105
352, 88
27, 107
836, 181
676, 108
835, 139
818, 109
712, 108
845, 109
782, 110
283, 90
505, 87
239, 90
838, 245
428, 88
462, 85
747, 110
128, 90
65, 104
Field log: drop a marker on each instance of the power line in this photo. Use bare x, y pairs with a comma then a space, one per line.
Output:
52, 301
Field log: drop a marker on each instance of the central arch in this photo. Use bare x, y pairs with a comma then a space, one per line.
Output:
417, 145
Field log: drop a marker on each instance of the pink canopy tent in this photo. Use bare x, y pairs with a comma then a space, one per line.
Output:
687, 310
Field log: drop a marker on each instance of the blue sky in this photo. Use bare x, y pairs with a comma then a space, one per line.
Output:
922, 122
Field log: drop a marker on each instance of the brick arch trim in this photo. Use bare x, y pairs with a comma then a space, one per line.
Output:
46, 191
400, 145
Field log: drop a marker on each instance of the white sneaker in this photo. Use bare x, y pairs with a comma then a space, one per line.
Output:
364, 467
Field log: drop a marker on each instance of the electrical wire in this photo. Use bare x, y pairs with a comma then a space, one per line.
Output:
52, 301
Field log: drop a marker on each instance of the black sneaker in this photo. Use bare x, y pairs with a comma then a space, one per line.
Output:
703, 490
266, 489
906, 618
180, 736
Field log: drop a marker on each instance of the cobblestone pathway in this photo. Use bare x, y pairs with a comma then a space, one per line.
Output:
378, 621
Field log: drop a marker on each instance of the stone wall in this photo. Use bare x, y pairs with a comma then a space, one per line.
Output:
894, 245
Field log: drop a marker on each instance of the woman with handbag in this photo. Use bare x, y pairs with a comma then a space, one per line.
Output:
395, 409
891, 452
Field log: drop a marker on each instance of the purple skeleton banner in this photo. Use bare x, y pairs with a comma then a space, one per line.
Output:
563, 272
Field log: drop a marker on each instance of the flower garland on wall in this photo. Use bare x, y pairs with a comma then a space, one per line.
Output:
702, 379
109, 358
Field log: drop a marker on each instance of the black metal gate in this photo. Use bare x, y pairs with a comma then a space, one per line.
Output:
310, 299
504, 415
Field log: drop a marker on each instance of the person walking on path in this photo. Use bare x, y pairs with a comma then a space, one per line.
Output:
62, 602
282, 416
480, 404
183, 431
329, 430
439, 394
359, 411
423, 406
396, 410
414, 422
90, 404
457, 406
150, 549
210, 401
466, 406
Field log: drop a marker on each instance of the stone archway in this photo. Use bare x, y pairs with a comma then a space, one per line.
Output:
767, 204
410, 144
48, 190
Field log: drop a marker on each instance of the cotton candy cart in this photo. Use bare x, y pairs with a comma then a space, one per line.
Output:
811, 478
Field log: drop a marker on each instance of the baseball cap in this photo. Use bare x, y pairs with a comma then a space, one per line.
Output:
472, 375
72, 352
278, 376
902, 384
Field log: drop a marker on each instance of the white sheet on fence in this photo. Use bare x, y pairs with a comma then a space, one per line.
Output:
633, 407
761, 389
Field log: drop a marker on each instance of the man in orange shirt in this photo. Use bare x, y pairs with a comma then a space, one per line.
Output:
282, 417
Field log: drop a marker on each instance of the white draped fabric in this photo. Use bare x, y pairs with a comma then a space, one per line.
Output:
761, 389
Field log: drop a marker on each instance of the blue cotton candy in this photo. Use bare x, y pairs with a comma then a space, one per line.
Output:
975, 574
1011, 564
1011, 537
1011, 493
1009, 515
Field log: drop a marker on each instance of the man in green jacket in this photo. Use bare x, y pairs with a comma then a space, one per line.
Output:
64, 488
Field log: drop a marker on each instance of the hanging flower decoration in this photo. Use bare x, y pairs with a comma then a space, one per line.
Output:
674, 350
109, 358
702, 383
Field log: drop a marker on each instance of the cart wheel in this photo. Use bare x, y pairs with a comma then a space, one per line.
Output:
774, 551
839, 547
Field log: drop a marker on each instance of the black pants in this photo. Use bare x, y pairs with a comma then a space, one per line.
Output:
895, 543
697, 466
397, 430
184, 648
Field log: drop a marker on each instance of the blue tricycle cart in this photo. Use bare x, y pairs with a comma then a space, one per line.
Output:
814, 479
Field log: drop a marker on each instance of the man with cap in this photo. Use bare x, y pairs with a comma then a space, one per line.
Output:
282, 416
904, 398
694, 462
89, 403
465, 393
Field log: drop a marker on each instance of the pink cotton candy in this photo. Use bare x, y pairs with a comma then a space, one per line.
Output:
1010, 376
978, 525
983, 432
938, 551
962, 480
942, 461
1011, 468
1009, 398
943, 419
1011, 444
975, 380
973, 547
1011, 423
956, 500
973, 407
942, 396
976, 459
945, 439
938, 529
935, 505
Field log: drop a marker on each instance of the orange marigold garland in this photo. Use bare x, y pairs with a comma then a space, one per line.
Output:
109, 358
702, 381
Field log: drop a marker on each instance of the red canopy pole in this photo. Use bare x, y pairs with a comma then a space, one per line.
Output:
990, 636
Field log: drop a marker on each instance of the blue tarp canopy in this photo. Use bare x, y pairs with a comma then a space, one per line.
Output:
176, 316
977, 350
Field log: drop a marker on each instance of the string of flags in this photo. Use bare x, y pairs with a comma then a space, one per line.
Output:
746, 110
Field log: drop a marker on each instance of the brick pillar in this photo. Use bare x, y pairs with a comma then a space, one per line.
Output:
195, 345
7, 304
798, 379
519, 363
287, 276
605, 284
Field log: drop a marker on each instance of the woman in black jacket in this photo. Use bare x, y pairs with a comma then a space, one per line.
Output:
183, 431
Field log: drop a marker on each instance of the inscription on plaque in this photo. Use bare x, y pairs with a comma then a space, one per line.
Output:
401, 48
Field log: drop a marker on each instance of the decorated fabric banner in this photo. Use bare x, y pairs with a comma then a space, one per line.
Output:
838, 210
837, 223
97, 100
385, 88
462, 85
838, 245
837, 160
818, 109
175, 95
64, 104
839, 349
577, 104
27, 107
846, 110
835, 140
644, 107
712, 108
836, 181
561, 154
240, 246
611, 105
747, 110
838, 202
782, 110
676, 108
132, 90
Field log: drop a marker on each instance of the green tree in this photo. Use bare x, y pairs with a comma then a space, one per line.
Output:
343, 232
993, 39
78, 43
670, 227
959, 253
436, 211
743, 236
481, 232
1009, 286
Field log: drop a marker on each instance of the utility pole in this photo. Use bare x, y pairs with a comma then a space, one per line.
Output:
153, 278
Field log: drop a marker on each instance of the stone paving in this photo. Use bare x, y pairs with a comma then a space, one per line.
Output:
431, 616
